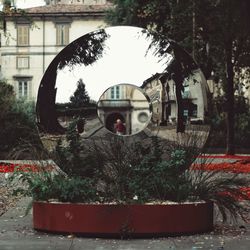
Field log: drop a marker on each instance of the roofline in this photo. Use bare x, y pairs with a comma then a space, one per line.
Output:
100, 14
88, 12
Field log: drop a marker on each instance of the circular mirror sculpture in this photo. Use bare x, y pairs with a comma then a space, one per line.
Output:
108, 62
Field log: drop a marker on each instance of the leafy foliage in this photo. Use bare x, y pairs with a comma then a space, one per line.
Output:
45, 186
225, 190
6, 98
17, 120
74, 157
218, 124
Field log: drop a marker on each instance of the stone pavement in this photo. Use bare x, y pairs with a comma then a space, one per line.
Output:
16, 233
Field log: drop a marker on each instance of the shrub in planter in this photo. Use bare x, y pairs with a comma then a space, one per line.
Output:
46, 186
138, 175
119, 180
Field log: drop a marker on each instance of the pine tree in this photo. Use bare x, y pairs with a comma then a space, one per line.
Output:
80, 97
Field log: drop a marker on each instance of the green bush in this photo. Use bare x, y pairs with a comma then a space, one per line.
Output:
17, 122
47, 186
6, 99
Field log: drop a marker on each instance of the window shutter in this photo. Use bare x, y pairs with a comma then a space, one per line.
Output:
62, 34
23, 35
66, 34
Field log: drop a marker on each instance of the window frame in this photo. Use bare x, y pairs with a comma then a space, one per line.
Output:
62, 34
23, 40
20, 66
115, 93
22, 91
23, 85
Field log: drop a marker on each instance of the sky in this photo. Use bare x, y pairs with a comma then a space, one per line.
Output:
126, 60
22, 4
29, 3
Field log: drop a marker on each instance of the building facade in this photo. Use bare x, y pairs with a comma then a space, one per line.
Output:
32, 40
162, 92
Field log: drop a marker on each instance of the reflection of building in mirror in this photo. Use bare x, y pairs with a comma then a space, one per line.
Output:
161, 90
124, 109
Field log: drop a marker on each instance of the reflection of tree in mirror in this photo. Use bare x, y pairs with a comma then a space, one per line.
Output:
157, 15
80, 97
85, 50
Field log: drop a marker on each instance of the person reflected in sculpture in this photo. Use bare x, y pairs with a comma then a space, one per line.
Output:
120, 128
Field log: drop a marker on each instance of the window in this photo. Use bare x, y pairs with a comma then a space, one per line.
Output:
143, 117
22, 89
62, 34
115, 92
186, 93
22, 62
185, 112
23, 35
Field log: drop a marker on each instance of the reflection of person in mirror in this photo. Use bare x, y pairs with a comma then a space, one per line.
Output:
120, 128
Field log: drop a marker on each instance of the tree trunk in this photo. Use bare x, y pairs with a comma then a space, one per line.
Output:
230, 150
178, 79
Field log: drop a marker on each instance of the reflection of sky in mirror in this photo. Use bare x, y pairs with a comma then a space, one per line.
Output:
125, 59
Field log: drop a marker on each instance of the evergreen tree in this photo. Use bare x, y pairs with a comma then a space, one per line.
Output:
80, 97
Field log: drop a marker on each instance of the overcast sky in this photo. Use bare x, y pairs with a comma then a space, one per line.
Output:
29, 3
22, 4
126, 59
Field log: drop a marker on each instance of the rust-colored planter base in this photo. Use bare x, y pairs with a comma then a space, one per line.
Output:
123, 220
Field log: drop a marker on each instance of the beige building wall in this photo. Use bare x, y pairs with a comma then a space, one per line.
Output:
140, 115
41, 50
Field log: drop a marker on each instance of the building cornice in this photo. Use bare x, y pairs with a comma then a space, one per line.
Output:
62, 10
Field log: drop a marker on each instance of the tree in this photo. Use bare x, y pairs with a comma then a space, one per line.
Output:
9, 9
17, 122
216, 32
80, 96
230, 39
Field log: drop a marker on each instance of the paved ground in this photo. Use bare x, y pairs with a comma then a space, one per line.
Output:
16, 232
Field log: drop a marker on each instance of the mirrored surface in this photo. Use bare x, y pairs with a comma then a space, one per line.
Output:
124, 109
76, 82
